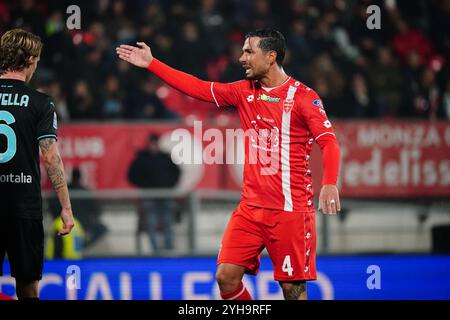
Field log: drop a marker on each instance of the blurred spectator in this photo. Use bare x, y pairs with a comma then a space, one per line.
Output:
4, 15
83, 104
295, 67
164, 47
298, 42
426, 96
321, 38
263, 16
113, 97
54, 90
326, 75
367, 40
190, 46
199, 37
439, 20
233, 70
27, 14
151, 168
146, 104
386, 80
214, 25
361, 99
322, 88
408, 41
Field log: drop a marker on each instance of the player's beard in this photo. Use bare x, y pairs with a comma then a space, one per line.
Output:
252, 76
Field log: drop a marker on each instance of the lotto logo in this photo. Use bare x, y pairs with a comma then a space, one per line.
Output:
327, 124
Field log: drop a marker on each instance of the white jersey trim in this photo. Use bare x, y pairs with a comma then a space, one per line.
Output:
285, 154
324, 134
268, 89
214, 97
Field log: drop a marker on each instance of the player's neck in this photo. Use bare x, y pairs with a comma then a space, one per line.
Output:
274, 78
11, 75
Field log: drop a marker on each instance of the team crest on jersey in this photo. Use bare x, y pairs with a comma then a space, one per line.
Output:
288, 105
265, 97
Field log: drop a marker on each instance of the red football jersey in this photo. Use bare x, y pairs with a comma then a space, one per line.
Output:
281, 124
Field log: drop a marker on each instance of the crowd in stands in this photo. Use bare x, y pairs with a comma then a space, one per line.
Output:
400, 70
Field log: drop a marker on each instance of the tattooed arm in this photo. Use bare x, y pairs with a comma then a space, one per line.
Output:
55, 170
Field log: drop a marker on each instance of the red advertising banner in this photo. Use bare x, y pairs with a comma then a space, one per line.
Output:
395, 159
104, 152
378, 160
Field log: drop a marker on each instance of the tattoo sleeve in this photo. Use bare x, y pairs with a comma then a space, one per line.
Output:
55, 170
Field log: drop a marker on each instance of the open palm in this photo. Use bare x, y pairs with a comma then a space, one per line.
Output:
140, 56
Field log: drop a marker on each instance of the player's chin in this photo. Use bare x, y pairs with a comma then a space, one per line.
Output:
251, 76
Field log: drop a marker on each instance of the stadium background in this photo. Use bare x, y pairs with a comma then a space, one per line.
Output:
387, 92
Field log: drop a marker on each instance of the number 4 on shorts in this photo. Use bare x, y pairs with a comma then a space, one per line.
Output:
287, 267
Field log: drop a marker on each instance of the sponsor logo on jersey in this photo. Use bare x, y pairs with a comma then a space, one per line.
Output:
259, 117
15, 178
250, 98
318, 103
265, 97
267, 139
327, 124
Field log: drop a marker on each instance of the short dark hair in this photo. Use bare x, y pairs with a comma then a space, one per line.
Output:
271, 40
16, 47
153, 138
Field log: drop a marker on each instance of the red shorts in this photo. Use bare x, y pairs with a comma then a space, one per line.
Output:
290, 239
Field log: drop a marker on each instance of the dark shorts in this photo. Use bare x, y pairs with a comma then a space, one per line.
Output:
23, 241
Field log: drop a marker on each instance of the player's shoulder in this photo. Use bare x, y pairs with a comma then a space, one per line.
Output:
302, 88
305, 92
307, 96
241, 84
42, 96
41, 99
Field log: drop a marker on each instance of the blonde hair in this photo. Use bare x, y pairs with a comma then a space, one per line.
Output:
16, 48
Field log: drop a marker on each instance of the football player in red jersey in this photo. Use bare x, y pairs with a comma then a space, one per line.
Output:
276, 210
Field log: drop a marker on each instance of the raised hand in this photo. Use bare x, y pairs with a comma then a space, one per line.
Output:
140, 56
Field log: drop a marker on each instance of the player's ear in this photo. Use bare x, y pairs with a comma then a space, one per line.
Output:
272, 56
32, 60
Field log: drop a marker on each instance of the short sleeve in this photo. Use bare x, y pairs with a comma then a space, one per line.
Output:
226, 94
48, 121
314, 114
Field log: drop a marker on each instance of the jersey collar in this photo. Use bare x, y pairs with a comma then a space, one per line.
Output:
271, 89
